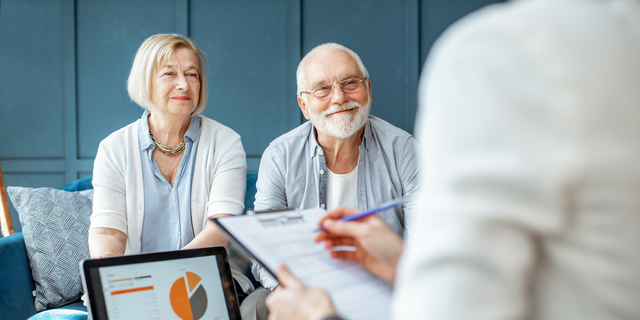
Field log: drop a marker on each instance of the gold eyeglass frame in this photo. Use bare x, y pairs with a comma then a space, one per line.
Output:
333, 88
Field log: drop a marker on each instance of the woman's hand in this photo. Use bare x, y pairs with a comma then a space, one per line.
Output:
294, 300
377, 246
106, 242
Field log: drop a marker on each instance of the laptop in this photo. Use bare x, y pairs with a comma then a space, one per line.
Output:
185, 284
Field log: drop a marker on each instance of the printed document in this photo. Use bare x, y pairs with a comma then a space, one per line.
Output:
287, 237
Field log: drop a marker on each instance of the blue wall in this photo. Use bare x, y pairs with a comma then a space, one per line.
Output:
64, 64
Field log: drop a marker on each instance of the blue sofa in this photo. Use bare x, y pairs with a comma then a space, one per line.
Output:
16, 286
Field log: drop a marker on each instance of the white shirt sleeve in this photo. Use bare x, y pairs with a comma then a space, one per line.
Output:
263, 276
109, 203
109, 209
229, 177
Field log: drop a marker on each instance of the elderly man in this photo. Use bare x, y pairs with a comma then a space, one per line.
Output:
529, 203
342, 157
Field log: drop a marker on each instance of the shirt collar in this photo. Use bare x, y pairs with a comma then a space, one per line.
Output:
194, 129
143, 132
145, 137
316, 149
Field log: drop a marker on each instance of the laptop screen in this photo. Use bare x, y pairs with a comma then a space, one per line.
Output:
187, 284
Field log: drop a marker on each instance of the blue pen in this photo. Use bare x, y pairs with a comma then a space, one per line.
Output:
366, 213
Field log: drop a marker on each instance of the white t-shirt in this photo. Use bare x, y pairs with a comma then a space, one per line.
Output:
342, 189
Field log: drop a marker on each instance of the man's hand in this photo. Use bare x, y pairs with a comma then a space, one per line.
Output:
294, 300
377, 246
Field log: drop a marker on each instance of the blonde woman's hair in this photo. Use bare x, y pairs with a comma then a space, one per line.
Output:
151, 56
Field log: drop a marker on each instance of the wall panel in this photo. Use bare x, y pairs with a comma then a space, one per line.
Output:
437, 15
249, 87
108, 36
375, 31
31, 98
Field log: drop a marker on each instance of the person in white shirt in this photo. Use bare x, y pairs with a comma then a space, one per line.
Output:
158, 180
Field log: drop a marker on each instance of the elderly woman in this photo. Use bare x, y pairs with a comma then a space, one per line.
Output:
158, 180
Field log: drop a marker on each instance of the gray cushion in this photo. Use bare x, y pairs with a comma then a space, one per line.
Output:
55, 225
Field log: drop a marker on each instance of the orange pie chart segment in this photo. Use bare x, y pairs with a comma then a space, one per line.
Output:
193, 280
180, 300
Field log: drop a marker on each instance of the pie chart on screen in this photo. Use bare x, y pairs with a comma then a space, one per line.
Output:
188, 298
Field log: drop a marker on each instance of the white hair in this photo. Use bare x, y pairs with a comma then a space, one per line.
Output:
301, 73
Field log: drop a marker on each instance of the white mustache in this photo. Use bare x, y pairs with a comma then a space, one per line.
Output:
341, 107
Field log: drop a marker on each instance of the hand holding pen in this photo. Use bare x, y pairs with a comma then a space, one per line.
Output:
366, 213
373, 243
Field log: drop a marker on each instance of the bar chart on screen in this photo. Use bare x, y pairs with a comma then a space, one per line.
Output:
132, 297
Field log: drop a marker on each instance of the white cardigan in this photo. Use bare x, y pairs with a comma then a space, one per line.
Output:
218, 185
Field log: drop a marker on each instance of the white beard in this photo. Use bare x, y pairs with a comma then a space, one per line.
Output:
341, 125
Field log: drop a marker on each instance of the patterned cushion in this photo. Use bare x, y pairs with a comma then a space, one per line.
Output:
55, 225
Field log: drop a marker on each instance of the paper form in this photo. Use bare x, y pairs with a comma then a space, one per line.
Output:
287, 237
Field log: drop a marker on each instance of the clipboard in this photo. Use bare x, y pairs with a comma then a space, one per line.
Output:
272, 217
287, 237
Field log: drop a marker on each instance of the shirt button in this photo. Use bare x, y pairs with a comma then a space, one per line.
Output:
322, 205
322, 172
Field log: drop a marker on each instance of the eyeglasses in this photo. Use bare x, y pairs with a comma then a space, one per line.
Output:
326, 90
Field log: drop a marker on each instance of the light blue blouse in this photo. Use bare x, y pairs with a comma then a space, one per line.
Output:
167, 210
